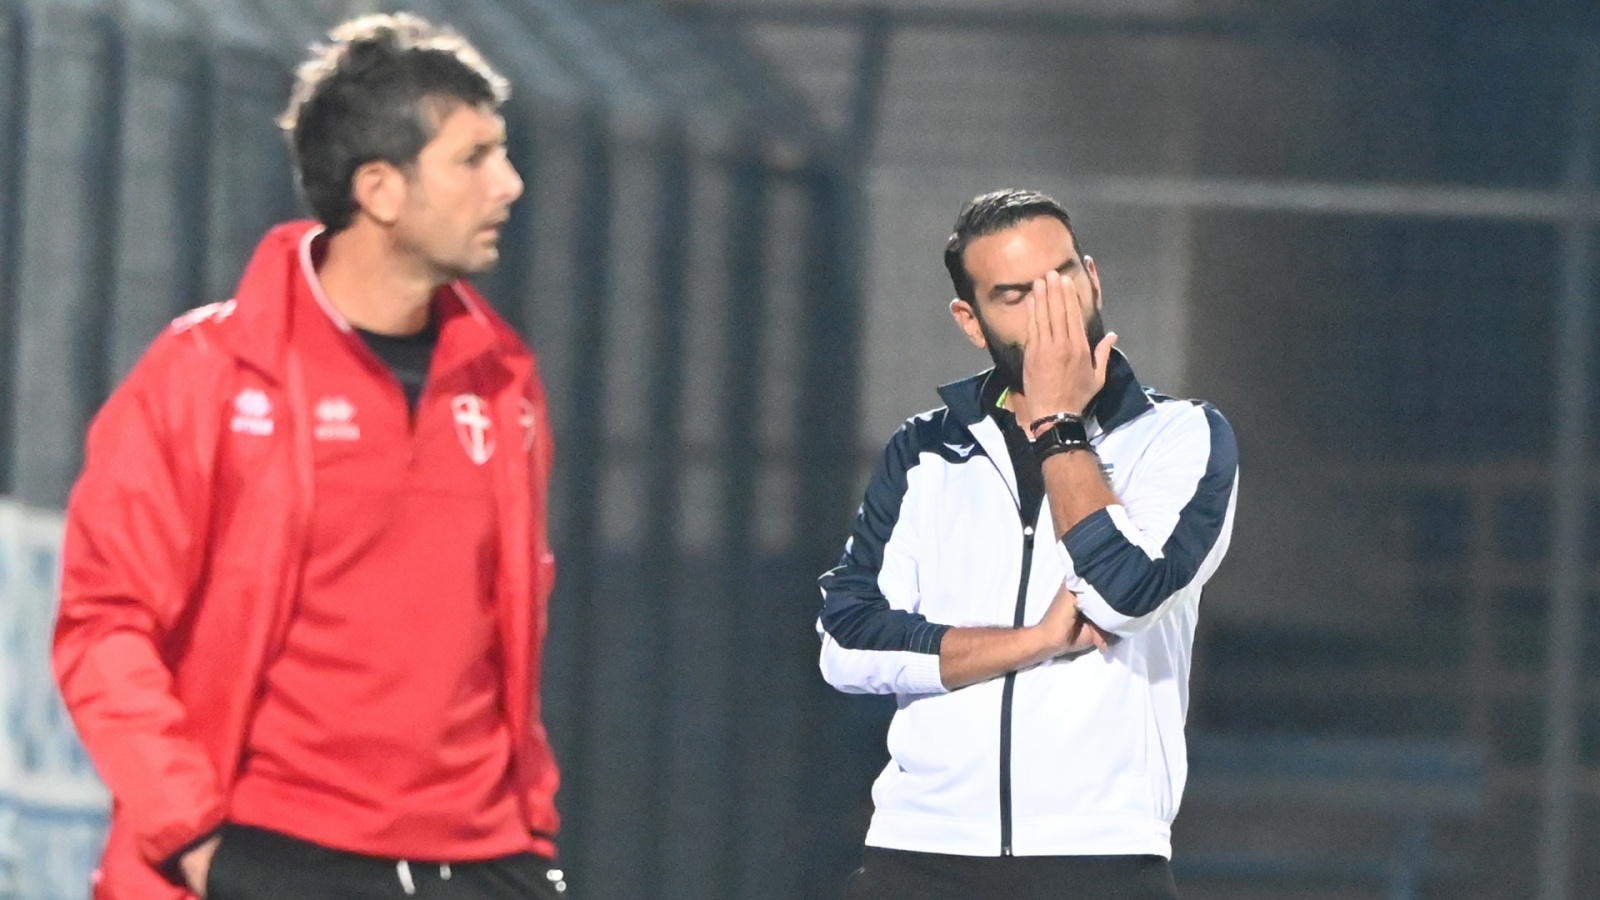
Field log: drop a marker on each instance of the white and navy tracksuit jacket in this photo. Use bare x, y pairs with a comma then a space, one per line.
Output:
1080, 755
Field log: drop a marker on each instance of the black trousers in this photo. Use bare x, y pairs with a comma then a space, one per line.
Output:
257, 864
905, 875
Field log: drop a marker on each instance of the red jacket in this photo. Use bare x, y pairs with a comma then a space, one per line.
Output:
182, 559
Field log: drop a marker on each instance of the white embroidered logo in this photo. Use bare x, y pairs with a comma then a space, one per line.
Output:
252, 412
529, 420
473, 426
961, 450
336, 420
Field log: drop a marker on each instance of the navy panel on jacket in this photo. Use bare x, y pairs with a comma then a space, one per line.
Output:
854, 611
1129, 580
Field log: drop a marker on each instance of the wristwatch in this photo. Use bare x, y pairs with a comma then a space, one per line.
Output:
1065, 434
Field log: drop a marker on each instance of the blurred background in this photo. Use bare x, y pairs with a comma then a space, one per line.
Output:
1365, 229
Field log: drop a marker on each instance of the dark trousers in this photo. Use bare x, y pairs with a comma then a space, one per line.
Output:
257, 864
905, 875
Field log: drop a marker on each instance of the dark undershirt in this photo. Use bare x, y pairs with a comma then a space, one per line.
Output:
1030, 474
407, 356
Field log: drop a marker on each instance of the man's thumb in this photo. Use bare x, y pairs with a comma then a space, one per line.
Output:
1102, 353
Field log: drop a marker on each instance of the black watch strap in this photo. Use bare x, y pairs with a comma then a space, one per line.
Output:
1061, 437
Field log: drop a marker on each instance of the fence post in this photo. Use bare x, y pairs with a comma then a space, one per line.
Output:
1570, 569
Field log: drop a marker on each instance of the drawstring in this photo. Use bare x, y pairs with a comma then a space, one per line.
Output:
403, 869
409, 884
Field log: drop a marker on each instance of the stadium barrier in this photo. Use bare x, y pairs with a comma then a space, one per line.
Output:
52, 806
1401, 790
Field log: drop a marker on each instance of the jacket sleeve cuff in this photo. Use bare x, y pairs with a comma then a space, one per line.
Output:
1090, 537
171, 867
921, 674
1082, 538
1095, 608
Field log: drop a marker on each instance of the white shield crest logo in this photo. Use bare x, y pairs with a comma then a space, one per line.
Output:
473, 426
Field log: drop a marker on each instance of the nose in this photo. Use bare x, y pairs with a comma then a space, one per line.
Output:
510, 182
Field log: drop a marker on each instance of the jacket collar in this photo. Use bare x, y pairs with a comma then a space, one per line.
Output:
1121, 401
281, 266
964, 398
1123, 398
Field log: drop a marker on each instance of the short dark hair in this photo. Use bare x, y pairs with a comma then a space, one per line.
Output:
994, 212
377, 91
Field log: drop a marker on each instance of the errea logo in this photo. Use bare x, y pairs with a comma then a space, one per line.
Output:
252, 412
336, 420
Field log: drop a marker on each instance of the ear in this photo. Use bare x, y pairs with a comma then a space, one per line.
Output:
967, 320
1094, 277
380, 190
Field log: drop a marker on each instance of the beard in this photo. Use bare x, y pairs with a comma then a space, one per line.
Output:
1007, 359
1008, 356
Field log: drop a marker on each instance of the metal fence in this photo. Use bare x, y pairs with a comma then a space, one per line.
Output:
688, 262
682, 265
52, 807
1380, 221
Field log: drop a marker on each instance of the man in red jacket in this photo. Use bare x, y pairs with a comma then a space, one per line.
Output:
306, 564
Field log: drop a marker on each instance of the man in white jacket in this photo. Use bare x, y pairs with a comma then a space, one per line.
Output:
1042, 682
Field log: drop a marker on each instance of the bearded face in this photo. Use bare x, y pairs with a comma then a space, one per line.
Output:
1008, 355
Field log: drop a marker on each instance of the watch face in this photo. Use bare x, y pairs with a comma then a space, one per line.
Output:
1069, 432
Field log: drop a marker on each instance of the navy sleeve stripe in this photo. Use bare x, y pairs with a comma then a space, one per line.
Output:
855, 612
1120, 571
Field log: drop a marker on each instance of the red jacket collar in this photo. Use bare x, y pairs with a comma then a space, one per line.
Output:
259, 325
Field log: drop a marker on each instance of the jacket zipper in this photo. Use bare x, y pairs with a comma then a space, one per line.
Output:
1005, 699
